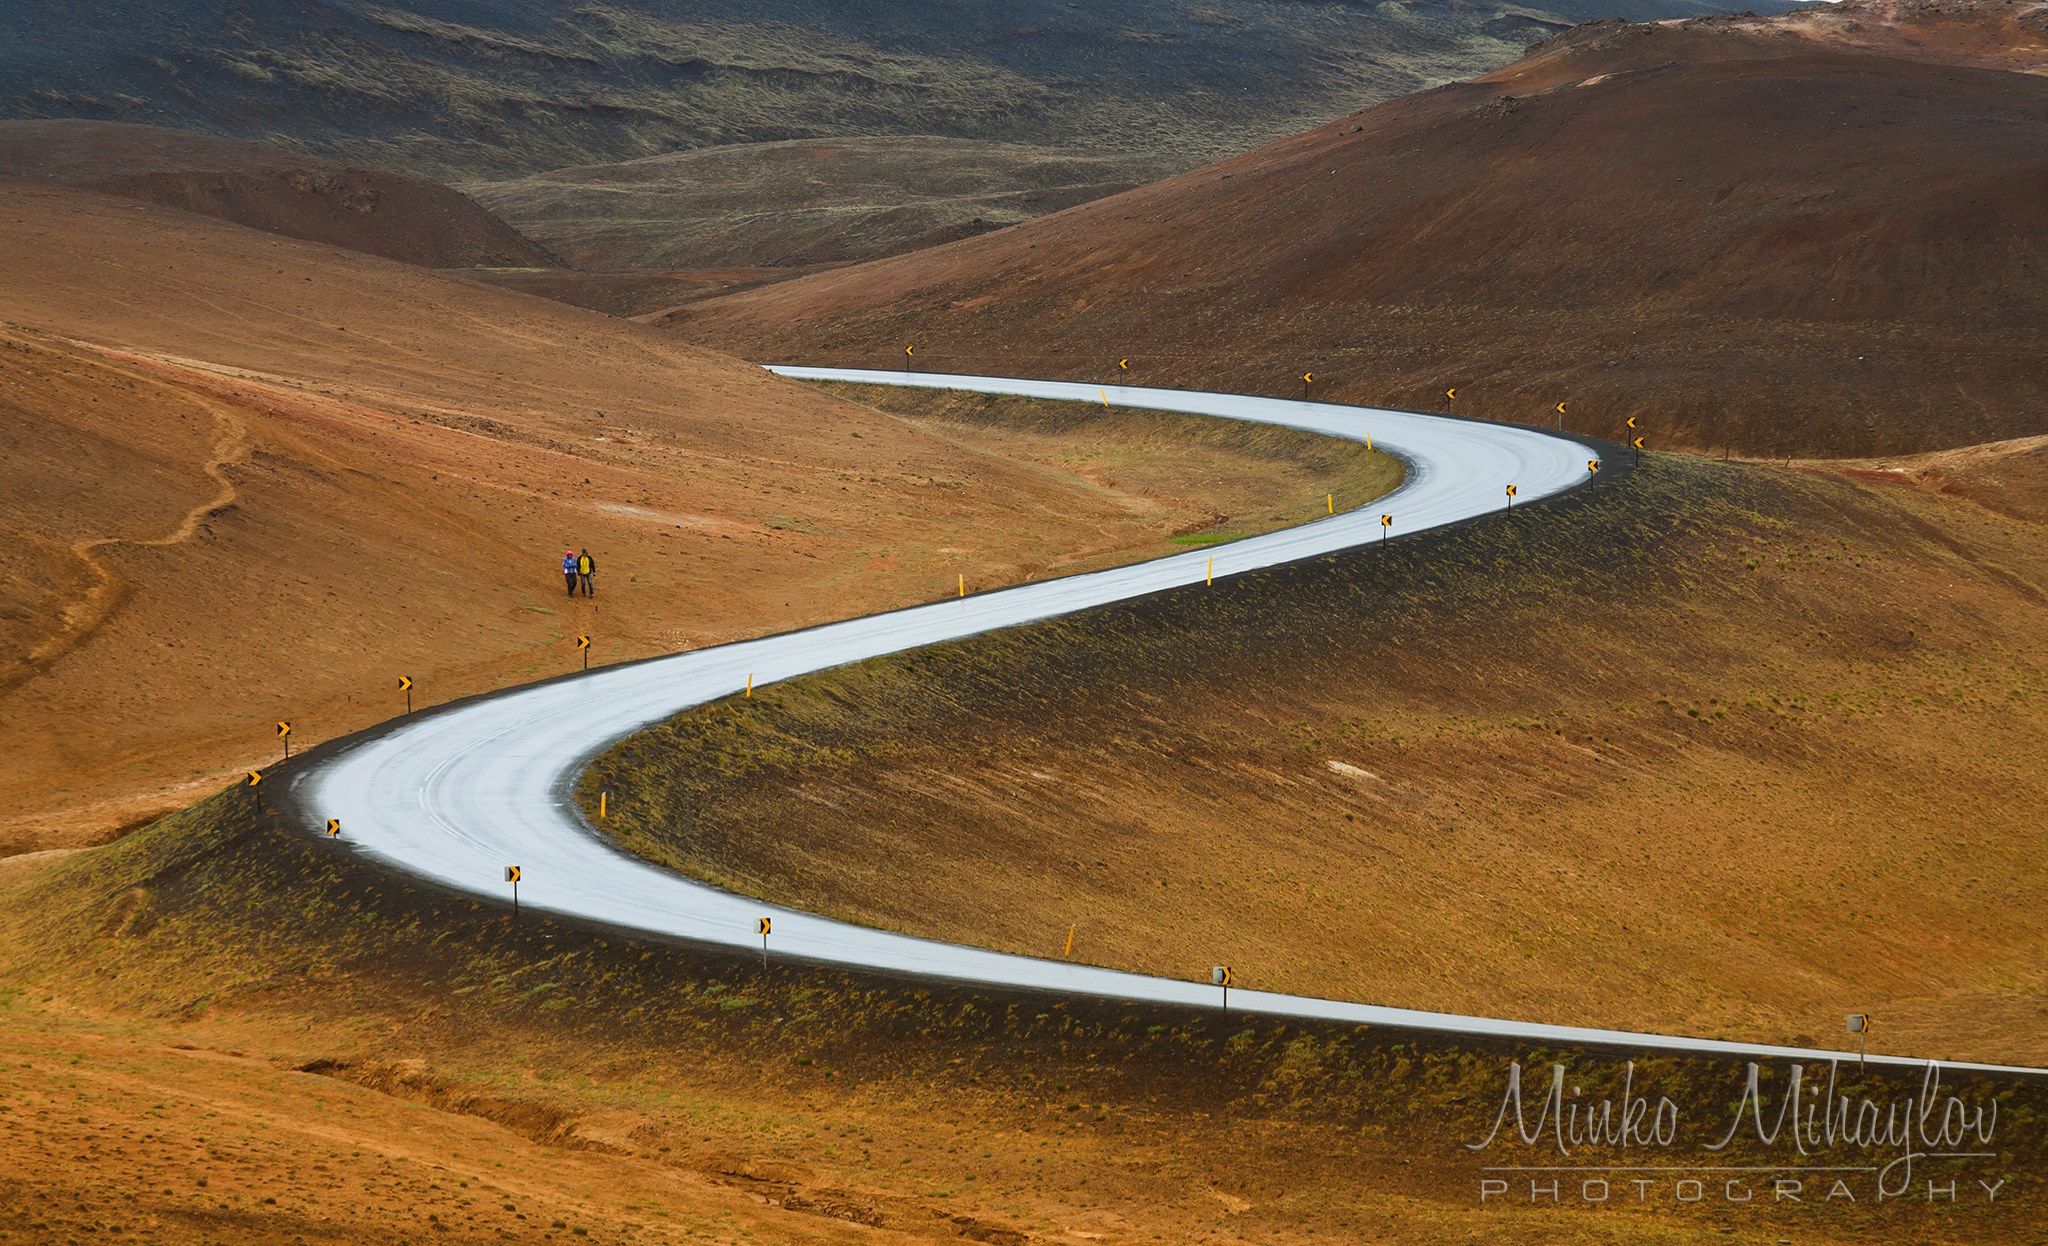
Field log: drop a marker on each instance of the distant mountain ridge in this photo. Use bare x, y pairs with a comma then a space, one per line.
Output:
458, 90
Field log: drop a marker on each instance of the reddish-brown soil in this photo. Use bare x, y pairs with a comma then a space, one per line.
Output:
275, 189
245, 479
1751, 234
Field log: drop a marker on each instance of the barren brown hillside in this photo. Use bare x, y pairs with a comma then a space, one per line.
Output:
244, 478
276, 189
1769, 237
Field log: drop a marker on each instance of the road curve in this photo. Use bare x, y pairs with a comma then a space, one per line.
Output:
456, 795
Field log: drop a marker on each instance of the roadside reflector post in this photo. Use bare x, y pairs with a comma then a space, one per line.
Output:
284, 732
1069, 953
749, 694
405, 686
583, 645
1212, 569
1220, 976
762, 928
512, 876
1859, 1025
602, 797
963, 585
1330, 500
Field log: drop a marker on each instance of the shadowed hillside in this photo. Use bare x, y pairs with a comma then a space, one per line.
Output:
1820, 236
811, 202
446, 87
275, 189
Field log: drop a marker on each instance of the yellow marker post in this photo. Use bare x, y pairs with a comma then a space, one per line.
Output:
1330, 500
1212, 568
1105, 396
1368, 441
963, 586
602, 798
750, 687
1069, 953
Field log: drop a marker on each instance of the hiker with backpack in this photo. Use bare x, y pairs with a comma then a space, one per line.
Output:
586, 569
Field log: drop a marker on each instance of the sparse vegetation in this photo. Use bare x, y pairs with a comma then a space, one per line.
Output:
1551, 763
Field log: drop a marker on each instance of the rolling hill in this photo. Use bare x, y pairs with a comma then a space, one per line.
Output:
756, 205
1822, 234
248, 478
267, 187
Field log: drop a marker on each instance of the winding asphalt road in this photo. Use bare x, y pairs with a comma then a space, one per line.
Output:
457, 794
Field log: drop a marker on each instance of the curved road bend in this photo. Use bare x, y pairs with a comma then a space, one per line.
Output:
456, 795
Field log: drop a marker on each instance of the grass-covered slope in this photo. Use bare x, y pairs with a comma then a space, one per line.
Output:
1722, 750
281, 1040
